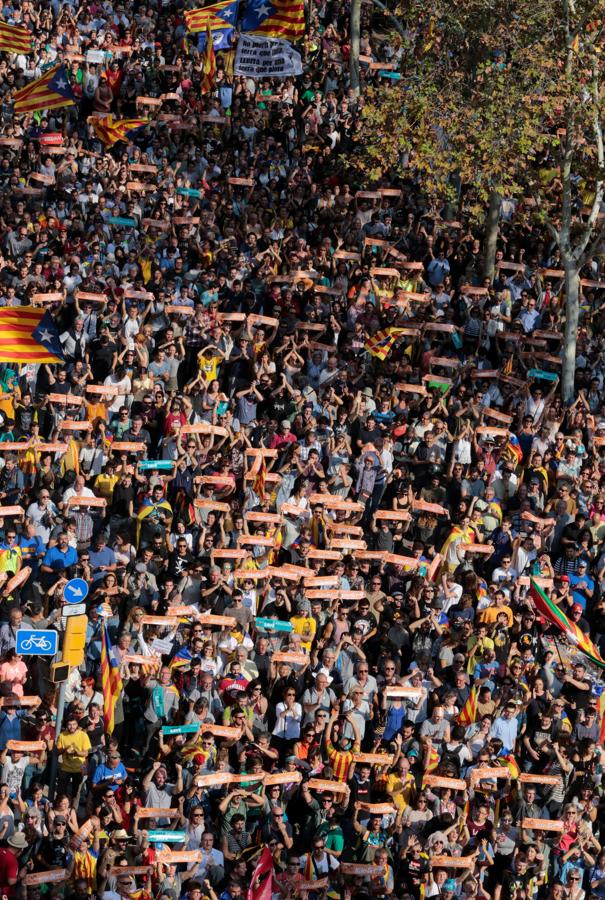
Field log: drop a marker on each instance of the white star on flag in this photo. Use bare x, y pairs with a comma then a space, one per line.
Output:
263, 10
61, 84
46, 336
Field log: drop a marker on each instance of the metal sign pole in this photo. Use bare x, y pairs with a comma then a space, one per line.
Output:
54, 761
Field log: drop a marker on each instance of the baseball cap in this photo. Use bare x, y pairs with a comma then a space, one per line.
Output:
577, 607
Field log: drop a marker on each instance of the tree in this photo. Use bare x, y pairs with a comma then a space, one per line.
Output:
504, 100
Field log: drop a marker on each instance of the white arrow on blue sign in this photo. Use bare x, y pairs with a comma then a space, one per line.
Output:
36, 642
75, 590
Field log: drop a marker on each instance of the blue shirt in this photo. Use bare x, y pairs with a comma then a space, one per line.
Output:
31, 549
579, 596
104, 773
506, 730
10, 727
104, 557
57, 560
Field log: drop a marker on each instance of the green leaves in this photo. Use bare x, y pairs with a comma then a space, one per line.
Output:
487, 93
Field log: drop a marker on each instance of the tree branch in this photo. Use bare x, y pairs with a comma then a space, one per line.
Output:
600, 184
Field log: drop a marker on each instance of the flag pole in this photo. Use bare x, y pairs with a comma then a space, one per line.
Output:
558, 651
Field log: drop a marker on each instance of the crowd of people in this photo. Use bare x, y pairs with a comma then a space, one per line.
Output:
308, 540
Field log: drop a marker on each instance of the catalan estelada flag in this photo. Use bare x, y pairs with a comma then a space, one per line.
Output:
15, 39
468, 713
513, 449
48, 92
275, 18
209, 68
29, 334
110, 680
382, 342
219, 17
111, 132
551, 612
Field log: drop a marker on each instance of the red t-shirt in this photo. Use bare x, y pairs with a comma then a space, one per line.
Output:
9, 868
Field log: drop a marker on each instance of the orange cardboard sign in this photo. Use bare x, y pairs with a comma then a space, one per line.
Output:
72, 425
221, 621
529, 778
375, 759
297, 659
216, 505
137, 659
282, 778
542, 824
103, 390
11, 511
224, 731
128, 447
325, 784
271, 518
483, 773
439, 781
379, 809
76, 500
453, 862
67, 399
131, 870
50, 876
365, 869
178, 856
26, 746
167, 621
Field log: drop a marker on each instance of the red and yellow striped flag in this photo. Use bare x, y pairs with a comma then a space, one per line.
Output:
382, 342
258, 485
29, 334
601, 712
275, 18
111, 132
556, 616
50, 91
209, 70
110, 680
15, 39
215, 16
468, 713
433, 760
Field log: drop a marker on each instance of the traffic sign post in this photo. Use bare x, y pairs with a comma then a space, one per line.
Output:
74, 619
36, 642
75, 591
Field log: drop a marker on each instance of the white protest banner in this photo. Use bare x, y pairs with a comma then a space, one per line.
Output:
259, 57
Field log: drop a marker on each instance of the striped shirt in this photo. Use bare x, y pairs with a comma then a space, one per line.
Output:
340, 760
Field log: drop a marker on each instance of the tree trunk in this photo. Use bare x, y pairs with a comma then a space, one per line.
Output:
491, 235
355, 45
572, 311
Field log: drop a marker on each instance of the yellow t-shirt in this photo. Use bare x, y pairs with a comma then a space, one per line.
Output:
209, 366
403, 791
104, 484
306, 626
80, 742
